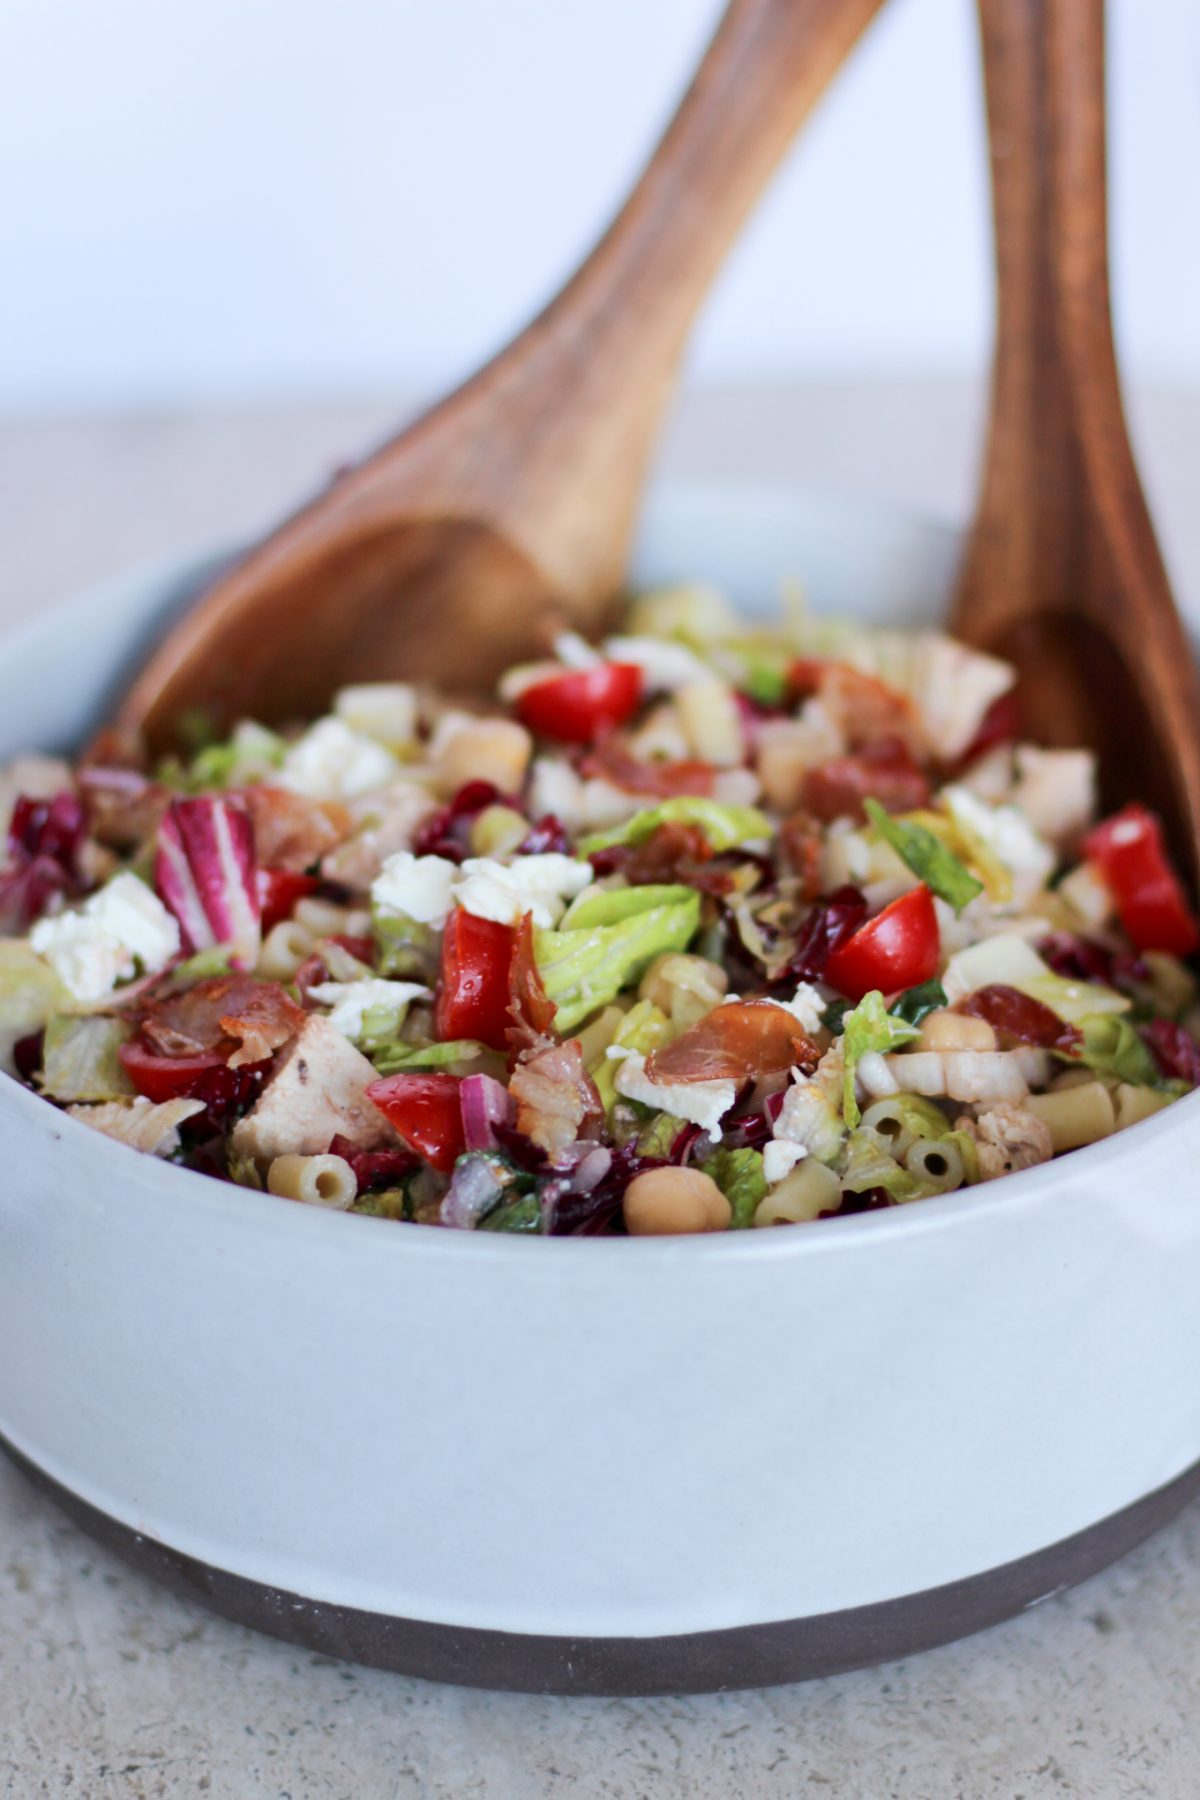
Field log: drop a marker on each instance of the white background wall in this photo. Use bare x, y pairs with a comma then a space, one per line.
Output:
213, 200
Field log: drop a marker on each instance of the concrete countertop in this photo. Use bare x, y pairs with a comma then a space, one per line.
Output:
111, 1689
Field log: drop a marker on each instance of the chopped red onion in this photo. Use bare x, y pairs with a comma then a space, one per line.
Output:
485, 1104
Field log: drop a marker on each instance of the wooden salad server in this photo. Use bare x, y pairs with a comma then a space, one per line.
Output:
446, 554
1063, 572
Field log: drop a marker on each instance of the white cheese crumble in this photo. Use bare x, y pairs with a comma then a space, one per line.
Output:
1007, 834
350, 1002
332, 762
702, 1103
539, 884
780, 1157
420, 887
574, 652
427, 888
808, 1004
100, 944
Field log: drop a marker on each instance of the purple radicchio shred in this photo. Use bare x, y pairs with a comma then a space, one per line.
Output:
375, 1169
753, 1131
590, 1214
520, 1150
826, 928
685, 1143
27, 1055
1174, 1050
227, 1094
545, 834
1083, 959
753, 715
42, 868
446, 832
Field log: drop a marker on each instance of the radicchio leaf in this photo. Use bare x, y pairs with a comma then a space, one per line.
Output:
205, 872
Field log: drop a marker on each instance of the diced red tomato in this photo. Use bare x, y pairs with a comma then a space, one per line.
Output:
473, 994
578, 705
1128, 851
278, 892
166, 1077
425, 1110
896, 949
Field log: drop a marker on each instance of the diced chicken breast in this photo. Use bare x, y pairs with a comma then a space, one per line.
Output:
317, 1093
1008, 1137
1056, 790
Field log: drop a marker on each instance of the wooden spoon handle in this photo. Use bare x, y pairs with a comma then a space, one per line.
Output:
582, 389
1059, 469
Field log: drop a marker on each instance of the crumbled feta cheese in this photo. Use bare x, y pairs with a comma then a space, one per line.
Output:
420, 887
665, 665
808, 1005
780, 1157
539, 884
331, 762
350, 1002
385, 711
702, 1103
101, 943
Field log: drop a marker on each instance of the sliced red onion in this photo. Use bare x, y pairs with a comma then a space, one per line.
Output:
591, 1170
474, 1188
485, 1104
205, 871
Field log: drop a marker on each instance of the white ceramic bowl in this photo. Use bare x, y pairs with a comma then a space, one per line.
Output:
600, 1465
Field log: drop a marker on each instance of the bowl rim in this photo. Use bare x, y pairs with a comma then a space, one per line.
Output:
1022, 1189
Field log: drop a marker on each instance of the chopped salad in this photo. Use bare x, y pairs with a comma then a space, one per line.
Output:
710, 927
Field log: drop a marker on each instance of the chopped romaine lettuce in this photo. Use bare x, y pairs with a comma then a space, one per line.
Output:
30, 992
250, 754
658, 1136
928, 858
869, 1027
1072, 1000
390, 1058
1112, 1049
404, 946
644, 1028
724, 826
384, 1203
868, 1165
523, 1212
80, 1058
739, 1175
585, 969
216, 960
611, 906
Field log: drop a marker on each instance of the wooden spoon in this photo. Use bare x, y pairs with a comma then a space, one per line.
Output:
448, 553
1062, 572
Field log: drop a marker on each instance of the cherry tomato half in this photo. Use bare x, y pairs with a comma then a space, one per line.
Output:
578, 705
278, 892
898, 948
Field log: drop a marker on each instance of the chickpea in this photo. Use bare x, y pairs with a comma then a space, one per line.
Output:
666, 1202
945, 1030
495, 750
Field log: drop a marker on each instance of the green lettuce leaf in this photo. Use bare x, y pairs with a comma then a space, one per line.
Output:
916, 1003
644, 1027
80, 1060
389, 1059
723, 826
869, 1027
216, 960
739, 1175
523, 1212
927, 857
585, 969
657, 1138
611, 906
1113, 1050
30, 992
384, 1203
868, 1165
1074, 1001
404, 948
250, 754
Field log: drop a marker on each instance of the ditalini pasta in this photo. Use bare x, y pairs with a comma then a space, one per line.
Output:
710, 926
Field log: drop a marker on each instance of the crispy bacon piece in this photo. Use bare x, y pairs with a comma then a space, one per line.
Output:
292, 831
673, 852
123, 809
243, 1019
801, 840
1016, 1015
883, 768
864, 708
662, 780
529, 1007
556, 1098
740, 1041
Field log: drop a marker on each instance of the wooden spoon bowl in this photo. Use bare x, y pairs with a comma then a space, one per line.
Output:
1062, 572
509, 507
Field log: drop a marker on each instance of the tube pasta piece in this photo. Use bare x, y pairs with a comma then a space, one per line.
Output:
936, 1162
805, 1194
316, 1180
285, 947
1134, 1103
1075, 1116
